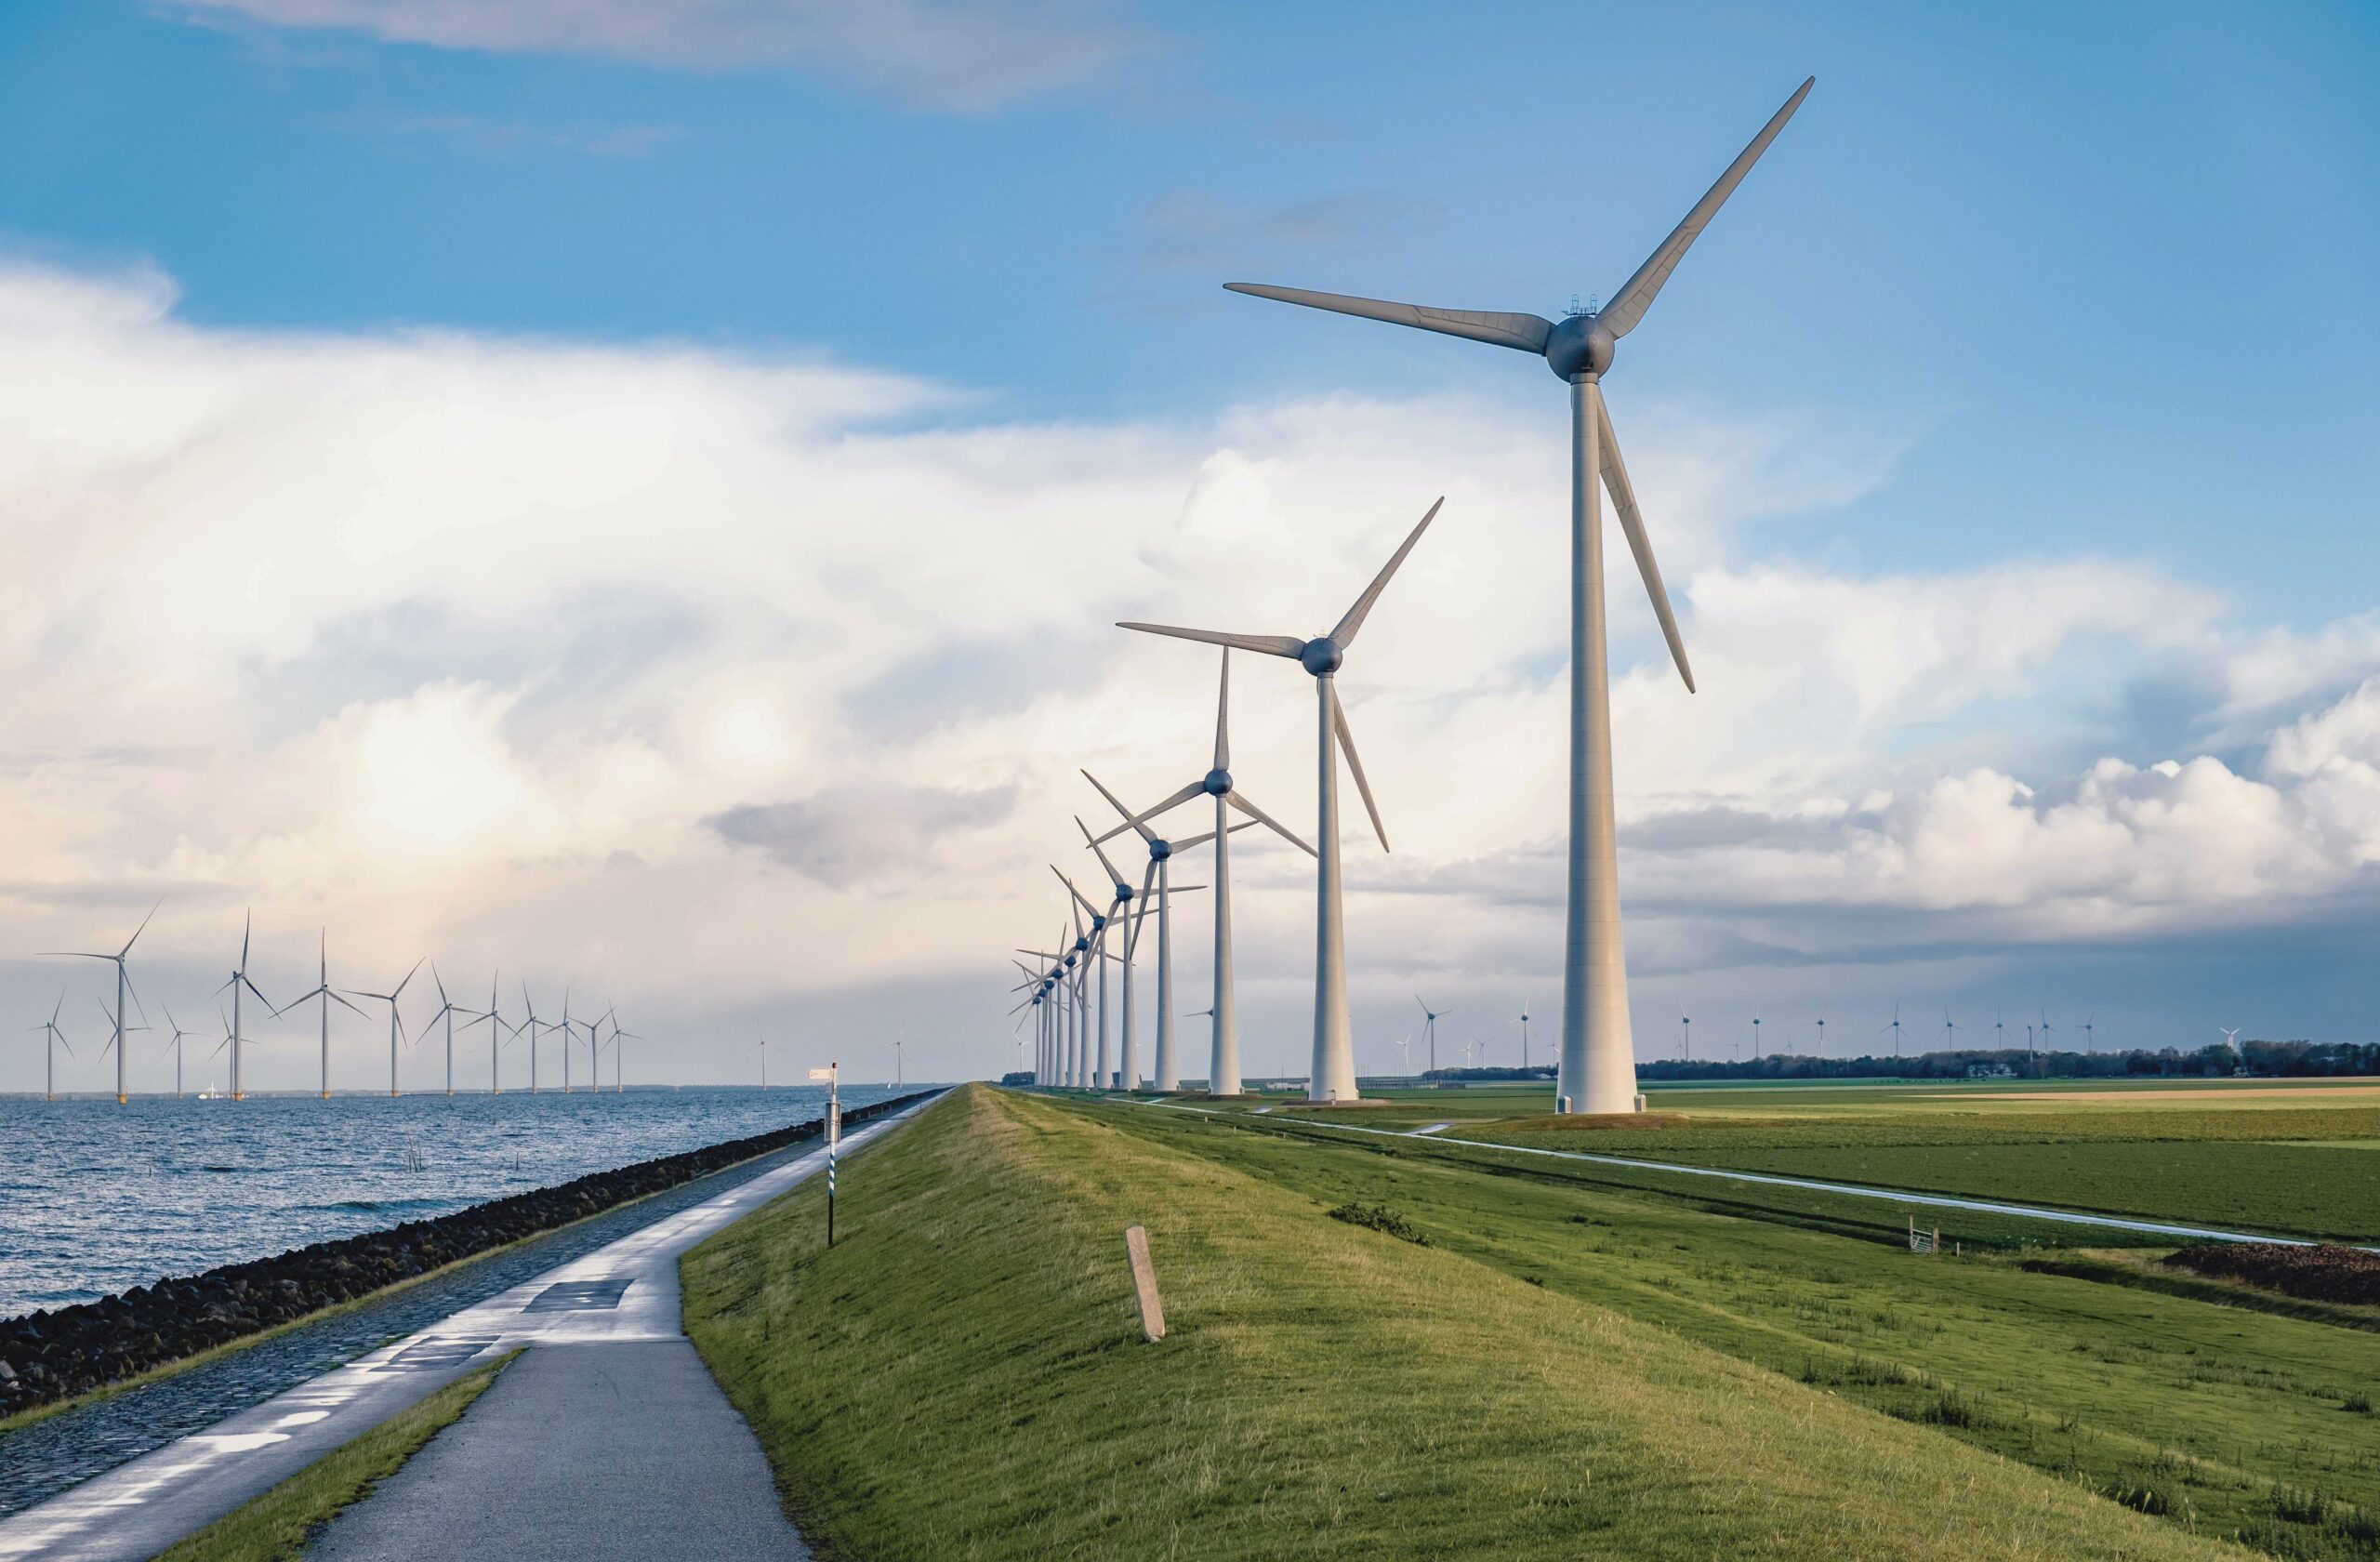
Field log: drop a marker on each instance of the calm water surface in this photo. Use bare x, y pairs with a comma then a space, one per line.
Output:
96, 1198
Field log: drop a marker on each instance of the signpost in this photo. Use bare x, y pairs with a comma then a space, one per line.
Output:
834, 1136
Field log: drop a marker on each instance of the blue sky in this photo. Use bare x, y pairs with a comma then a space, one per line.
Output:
2102, 268
2037, 353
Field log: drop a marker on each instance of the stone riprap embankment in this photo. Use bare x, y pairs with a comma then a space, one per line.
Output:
51, 1356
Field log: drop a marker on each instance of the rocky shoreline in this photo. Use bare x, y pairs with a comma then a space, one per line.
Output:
47, 1357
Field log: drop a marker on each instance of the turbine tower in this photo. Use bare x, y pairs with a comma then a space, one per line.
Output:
1222, 1063
123, 990
1598, 1071
1332, 1076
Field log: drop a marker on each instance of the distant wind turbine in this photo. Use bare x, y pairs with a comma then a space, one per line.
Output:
395, 1034
1894, 1028
1598, 1072
1332, 1076
238, 984
1223, 1069
122, 992
324, 991
177, 1045
1167, 1075
53, 1039
1430, 1018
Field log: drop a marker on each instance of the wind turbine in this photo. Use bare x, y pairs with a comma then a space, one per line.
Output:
568, 1036
1405, 1054
1950, 1033
2090, 1043
240, 981
764, 1050
529, 1025
1598, 1071
1430, 1019
595, 1052
1092, 950
1756, 1054
1821, 1036
1894, 1028
496, 1028
2044, 1030
1999, 1038
1524, 1025
1685, 1035
1167, 1076
619, 1056
2231, 1039
1222, 1067
1332, 1074
177, 1045
54, 1037
120, 1033
322, 990
123, 990
391, 999
447, 1010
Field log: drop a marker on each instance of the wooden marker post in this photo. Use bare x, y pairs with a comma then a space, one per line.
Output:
834, 1137
1136, 1248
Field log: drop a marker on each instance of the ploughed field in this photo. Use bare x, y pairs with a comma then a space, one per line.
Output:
1489, 1356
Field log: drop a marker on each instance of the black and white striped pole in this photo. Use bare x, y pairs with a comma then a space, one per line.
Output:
834, 1137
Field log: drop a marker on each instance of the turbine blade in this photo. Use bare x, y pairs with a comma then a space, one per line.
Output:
1132, 935
139, 931
1117, 804
1222, 717
247, 927
1270, 645
1635, 296
1205, 836
350, 1007
1526, 332
1195, 789
1355, 766
1266, 819
1345, 633
1112, 876
1072, 890
1623, 499
409, 976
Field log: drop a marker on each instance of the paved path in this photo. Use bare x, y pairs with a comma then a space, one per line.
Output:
622, 1293
580, 1451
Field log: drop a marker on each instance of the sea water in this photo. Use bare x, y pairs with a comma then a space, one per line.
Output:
96, 1198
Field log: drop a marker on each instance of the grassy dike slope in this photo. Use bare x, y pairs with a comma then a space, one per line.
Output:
963, 1377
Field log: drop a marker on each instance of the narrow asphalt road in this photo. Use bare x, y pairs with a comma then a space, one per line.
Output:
623, 1293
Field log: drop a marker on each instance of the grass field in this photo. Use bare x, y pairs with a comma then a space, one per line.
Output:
1562, 1373
278, 1526
2282, 1156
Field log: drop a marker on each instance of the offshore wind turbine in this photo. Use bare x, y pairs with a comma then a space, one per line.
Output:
1598, 1072
391, 999
123, 990
177, 1045
530, 1024
324, 991
239, 981
447, 1010
1222, 1065
494, 1033
1332, 1076
53, 1038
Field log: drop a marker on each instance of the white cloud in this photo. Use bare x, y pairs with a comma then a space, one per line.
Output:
711, 682
944, 54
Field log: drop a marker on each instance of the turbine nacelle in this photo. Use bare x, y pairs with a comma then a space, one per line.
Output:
1160, 850
1217, 783
1322, 656
1582, 344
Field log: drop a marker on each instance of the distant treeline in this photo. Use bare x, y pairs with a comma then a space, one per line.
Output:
2278, 1059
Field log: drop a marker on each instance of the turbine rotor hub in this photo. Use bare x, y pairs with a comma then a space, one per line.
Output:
1321, 656
1217, 783
1581, 344
1160, 850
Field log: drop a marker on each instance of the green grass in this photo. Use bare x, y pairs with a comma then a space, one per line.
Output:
280, 1524
2077, 1367
962, 1377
